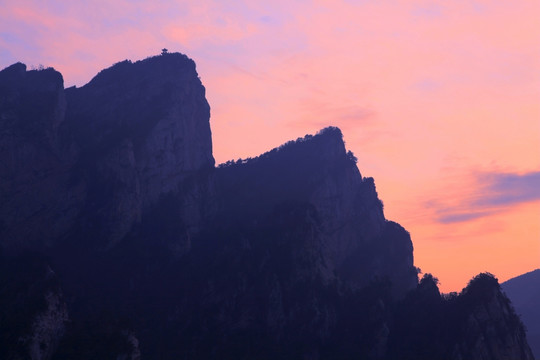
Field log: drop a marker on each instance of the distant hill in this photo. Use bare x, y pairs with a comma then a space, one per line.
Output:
524, 292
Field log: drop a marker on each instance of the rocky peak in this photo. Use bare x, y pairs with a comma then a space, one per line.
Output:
477, 324
128, 137
16, 76
12, 73
32, 103
492, 329
33, 161
355, 240
150, 117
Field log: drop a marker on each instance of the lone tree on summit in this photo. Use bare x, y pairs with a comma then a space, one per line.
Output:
164, 51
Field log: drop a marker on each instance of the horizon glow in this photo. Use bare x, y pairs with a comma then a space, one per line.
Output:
439, 101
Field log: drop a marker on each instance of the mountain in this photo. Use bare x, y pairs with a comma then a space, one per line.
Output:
120, 238
524, 291
478, 323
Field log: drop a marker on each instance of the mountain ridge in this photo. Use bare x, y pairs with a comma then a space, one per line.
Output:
155, 252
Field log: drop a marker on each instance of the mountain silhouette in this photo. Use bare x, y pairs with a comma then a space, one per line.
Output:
120, 238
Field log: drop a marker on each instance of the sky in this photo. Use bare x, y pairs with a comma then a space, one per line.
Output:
439, 100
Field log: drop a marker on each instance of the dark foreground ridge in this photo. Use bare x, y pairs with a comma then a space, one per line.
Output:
120, 239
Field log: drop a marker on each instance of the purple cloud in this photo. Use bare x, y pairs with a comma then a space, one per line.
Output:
496, 193
449, 217
507, 189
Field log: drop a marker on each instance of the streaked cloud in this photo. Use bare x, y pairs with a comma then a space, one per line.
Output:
509, 189
449, 216
494, 193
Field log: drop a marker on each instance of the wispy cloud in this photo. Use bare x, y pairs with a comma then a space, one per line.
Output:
450, 216
495, 192
508, 189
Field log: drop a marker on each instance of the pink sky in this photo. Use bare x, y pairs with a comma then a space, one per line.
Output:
440, 101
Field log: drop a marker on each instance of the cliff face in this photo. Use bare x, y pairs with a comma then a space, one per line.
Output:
141, 128
48, 328
34, 164
353, 240
93, 158
112, 186
479, 323
32, 308
492, 329
151, 117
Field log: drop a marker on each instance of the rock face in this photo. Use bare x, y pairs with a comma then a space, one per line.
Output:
112, 187
48, 328
349, 234
524, 292
492, 329
123, 140
34, 164
32, 308
141, 128
150, 117
479, 323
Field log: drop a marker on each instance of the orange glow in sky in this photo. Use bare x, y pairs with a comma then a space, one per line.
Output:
440, 101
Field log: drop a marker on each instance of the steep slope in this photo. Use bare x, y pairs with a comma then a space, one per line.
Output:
290, 244
355, 241
479, 323
151, 114
524, 291
85, 162
34, 160
141, 128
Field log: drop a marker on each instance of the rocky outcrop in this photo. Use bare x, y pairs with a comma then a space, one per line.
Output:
95, 157
477, 324
32, 308
133, 353
152, 115
492, 330
35, 163
48, 328
350, 235
142, 128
